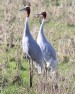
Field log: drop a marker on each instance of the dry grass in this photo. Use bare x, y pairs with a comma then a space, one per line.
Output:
59, 30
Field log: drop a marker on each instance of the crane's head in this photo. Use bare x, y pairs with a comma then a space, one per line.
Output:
43, 14
27, 9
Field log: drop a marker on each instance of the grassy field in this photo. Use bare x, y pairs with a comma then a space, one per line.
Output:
15, 77
59, 30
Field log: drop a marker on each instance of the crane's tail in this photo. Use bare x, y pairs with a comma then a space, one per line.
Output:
52, 64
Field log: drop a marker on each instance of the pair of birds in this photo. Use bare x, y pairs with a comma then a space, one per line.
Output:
41, 51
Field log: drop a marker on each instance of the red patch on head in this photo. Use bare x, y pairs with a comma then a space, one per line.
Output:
28, 10
44, 14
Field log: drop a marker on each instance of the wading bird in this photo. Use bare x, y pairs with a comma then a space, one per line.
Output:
46, 47
30, 47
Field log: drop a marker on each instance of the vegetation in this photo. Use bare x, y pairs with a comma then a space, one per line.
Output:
59, 30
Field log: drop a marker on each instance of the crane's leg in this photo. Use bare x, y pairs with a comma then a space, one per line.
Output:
46, 70
31, 73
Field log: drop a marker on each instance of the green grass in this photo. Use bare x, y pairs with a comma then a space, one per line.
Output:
14, 89
64, 68
11, 71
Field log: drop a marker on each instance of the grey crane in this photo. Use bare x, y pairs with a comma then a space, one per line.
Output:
48, 51
30, 46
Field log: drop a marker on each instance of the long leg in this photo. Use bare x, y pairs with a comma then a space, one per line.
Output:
46, 70
31, 73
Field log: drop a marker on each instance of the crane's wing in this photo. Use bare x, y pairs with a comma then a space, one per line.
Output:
53, 52
48, 51
35, 52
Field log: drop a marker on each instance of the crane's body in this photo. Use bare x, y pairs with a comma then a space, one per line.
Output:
30, 47
47, 49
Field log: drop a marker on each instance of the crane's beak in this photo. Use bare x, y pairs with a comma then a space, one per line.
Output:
23, 9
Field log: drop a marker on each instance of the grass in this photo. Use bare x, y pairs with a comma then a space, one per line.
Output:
11, 71
15, 89
66, 68
1, 11
12, 57
66, 72
1, 15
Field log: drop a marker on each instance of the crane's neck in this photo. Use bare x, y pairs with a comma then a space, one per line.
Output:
26, 29
42, 26
41, 34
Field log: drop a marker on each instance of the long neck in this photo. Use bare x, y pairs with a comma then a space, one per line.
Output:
41, 34
41, 27
26, 29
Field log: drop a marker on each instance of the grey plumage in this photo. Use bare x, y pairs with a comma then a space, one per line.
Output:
47, 49
30, 47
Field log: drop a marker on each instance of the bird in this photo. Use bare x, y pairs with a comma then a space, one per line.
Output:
48, 51
30, 46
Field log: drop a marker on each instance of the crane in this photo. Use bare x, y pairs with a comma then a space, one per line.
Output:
48, 51
30, 46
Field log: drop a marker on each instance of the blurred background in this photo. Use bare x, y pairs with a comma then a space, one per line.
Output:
59, 29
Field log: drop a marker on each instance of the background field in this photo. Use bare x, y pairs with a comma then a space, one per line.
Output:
59, 30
